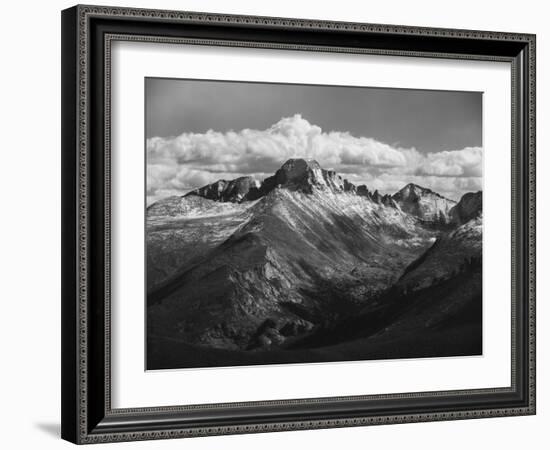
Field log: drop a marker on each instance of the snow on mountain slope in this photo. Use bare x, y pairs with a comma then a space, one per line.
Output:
180, 229
306, 175
448, 256
237, 190
189, 207
242, 265
295, 260
423, 203
439, 292
442, 290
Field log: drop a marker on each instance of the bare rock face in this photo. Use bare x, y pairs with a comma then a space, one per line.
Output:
299, 174
350, 187
236, 190
425, 204
468, 208
305, 175
363, 191
376, 197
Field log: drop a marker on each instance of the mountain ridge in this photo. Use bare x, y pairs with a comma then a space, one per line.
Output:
244, 266
302, 173
289, 259
306, 175
468, 207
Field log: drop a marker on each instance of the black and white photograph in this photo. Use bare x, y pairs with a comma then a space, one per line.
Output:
290, 223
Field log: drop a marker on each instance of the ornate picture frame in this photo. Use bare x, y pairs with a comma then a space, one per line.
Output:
88, 33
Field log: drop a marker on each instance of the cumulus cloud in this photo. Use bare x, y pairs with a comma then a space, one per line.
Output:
457, 163
178, 164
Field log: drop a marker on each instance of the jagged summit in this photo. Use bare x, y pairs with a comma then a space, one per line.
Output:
306, 175
300, 163
235, 190
427, 205
298, 170
295, 174
412, 190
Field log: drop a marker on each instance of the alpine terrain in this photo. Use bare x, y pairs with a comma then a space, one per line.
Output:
306, 266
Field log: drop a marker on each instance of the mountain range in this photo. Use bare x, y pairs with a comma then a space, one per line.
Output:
283, 270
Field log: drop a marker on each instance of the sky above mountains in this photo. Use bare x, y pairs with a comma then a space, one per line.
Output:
199, 132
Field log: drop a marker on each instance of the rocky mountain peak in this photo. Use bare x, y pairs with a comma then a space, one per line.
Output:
412, 191
298, 170
468, 208
424, 203
363, 191
235, 190
304, 175
307, 175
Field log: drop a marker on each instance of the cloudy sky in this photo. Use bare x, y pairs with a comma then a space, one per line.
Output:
202, 131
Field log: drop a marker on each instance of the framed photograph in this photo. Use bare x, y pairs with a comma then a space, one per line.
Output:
279, 224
